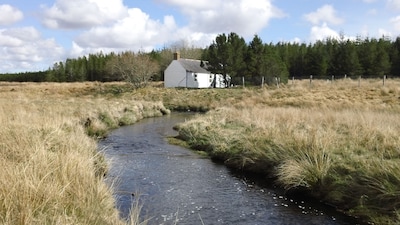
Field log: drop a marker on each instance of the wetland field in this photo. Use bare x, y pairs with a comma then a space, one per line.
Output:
336, 141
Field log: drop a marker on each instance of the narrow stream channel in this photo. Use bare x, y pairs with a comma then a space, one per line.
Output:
177, 186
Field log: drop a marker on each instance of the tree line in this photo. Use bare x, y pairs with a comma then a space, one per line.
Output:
229, 54
369, 57
136, 68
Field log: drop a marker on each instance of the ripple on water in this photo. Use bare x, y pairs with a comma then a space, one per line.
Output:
176, 185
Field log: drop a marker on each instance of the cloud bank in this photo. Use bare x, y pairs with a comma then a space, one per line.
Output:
321, 20
25, 49
217, 16
79, 27
112, 27
77, 14
9, 15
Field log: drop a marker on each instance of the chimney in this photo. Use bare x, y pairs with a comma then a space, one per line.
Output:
177, 56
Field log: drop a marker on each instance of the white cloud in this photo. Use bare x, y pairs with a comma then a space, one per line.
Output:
384, 33
193, 38
67, 14
9, 15
24, 49
365, 31
396, 23
135, 32
394, 4
325, 14
323, 32
114, 27
320, 33
192, 5
295, 40
217, 16
206, 19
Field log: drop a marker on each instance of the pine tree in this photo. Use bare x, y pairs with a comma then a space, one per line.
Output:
395, 58
382, 59
316, 61
345, 59
236, 60
255, 59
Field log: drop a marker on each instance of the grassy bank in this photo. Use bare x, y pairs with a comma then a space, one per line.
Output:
338, 142
52, 172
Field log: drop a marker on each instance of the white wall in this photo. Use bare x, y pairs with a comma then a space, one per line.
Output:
197, 80
203, 80
175, 75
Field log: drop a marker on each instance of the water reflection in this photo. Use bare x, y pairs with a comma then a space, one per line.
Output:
178, 186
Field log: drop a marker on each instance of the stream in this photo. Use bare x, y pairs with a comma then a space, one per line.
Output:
177, 186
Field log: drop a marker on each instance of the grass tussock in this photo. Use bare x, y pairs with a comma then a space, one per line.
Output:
337, 142
340, 94
52, 172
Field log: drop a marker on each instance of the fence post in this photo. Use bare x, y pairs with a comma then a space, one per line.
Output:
243, 81
310, 80
277, 82
293, 80
262, 82
384, 80
359, 81
333, 78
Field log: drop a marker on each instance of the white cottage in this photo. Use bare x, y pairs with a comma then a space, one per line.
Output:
189, 73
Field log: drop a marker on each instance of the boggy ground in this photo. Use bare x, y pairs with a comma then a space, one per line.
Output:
335, 141
51, 169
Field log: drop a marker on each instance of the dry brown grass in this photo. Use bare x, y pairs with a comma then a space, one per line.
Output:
339, 94
371, 94
52, 172
338, 141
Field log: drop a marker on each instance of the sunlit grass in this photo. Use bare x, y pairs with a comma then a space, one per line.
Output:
338, 141
52, 172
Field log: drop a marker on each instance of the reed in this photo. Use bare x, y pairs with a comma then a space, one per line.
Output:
338, 143
52, 172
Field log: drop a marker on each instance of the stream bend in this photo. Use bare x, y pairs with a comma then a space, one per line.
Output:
177, 186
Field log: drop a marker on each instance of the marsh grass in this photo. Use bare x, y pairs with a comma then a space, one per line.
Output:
338, 142
52, 172
134, 215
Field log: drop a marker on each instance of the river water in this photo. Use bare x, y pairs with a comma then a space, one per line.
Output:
177, 186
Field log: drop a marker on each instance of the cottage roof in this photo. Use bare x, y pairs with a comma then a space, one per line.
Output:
192, 65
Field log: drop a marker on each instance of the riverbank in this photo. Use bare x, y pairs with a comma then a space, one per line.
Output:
52, 172
338, 143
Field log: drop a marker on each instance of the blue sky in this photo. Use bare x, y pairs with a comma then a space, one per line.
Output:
37, 33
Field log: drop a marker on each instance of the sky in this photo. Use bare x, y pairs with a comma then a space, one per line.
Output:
35, 34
